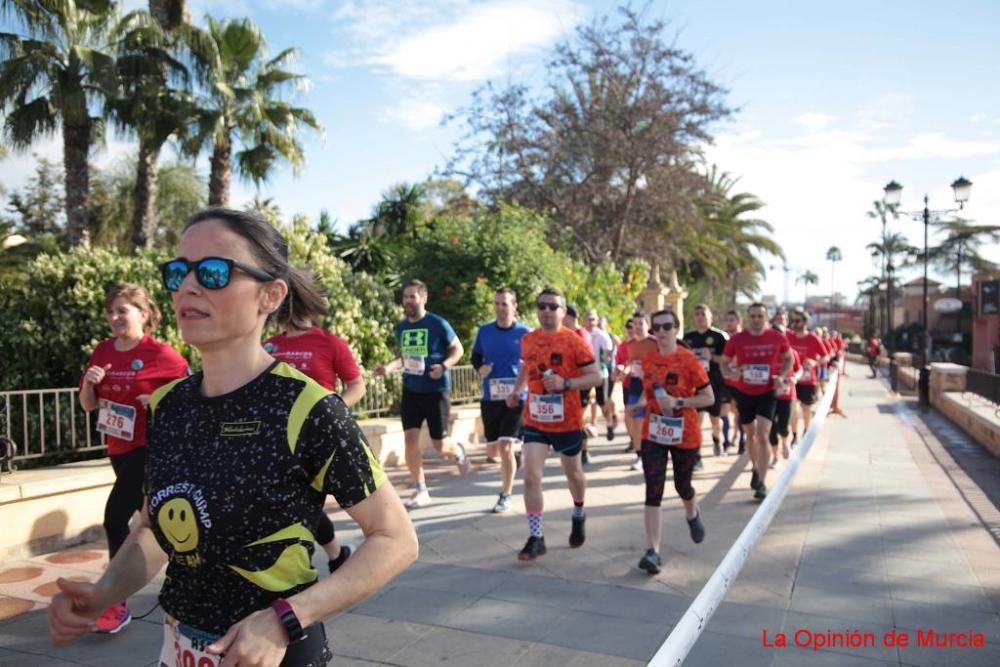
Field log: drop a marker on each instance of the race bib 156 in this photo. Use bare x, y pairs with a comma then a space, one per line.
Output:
546, 408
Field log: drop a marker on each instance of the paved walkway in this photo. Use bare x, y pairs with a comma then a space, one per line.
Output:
881, 531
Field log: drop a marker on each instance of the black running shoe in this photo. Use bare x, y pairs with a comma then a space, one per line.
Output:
697, 528
345, 552
761, 492
754, 480
533, 548
584, 458
743, 446
577, 535
611, 433
650, 562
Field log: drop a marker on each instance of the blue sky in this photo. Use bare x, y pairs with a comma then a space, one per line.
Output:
835, 100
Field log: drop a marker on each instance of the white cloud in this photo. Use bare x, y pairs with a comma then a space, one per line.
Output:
415, 115
452, 40
813, 121
818, 185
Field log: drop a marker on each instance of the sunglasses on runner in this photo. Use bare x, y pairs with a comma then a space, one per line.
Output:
665, 326
548, 305
211, 272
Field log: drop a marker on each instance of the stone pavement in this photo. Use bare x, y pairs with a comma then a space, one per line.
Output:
882, 530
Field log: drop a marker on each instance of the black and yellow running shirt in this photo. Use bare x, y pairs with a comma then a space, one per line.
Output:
235, 482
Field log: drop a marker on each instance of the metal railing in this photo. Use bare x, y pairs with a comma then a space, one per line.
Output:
44, 423
983, 384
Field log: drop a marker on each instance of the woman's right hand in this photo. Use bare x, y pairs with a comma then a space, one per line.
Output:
73, 611
95, 374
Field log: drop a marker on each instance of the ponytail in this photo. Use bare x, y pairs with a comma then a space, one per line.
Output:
304, 305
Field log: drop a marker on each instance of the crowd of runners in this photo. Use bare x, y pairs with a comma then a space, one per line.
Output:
229, 467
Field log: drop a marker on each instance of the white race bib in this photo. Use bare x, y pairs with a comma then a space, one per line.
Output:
705, 358
666, 430
637, 369
758, 374
546, 408
501, 388
413, 365
115, 419
181, 650
785, 392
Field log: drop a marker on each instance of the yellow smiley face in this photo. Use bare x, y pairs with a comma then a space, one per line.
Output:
178, 523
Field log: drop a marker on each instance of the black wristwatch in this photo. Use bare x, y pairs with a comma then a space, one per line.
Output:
289, 620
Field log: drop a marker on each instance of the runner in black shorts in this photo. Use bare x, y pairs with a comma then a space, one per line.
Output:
496, 355
708, 343
428, 349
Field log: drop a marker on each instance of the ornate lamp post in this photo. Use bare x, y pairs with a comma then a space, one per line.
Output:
962, 188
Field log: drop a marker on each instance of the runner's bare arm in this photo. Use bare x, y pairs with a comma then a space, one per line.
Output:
353, 391
787, 361
455, 352
591, 377
515, 396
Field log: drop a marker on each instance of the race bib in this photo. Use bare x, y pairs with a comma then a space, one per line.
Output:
667, 431
637, 369
546, 408
501, 388
758, 374
413, 365
184, 646
705, 358
785, 392
116, 420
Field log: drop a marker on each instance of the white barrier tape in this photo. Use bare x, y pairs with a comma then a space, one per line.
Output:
681, 640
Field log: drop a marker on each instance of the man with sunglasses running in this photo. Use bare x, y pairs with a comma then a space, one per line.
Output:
428, 350
555, 365
812, 354
760, 359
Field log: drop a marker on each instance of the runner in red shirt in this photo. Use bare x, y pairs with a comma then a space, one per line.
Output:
836, 361
631, 371
572, 322
325, 358
121, 375
733, 324
555, 365
874, 348
783, 413
675, 386
812, 352
760, 360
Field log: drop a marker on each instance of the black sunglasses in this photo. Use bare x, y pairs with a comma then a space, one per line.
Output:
665, 326
211, 272
548, 305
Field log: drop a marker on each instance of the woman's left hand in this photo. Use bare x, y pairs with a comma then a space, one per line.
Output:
259, 640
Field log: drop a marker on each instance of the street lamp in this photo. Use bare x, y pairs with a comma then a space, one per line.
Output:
889, 271
962, 188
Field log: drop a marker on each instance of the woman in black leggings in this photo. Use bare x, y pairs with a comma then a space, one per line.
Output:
122, 373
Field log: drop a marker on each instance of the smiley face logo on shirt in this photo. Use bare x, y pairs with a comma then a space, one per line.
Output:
270, 347
177, 521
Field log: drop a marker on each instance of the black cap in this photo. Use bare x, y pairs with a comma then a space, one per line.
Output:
571, 311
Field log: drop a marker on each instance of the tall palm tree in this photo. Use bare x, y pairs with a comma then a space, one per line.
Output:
807, 278
243, 110
730, 246
54, 75
960, 247
833, 256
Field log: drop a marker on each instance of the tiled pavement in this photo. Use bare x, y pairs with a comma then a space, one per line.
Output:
881, 530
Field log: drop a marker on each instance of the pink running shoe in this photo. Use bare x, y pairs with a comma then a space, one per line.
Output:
114, 618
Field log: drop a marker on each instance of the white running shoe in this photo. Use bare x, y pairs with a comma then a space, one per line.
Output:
637, 464
463, 463
420, 498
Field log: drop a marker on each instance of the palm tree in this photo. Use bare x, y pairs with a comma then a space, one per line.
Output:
54, 75
960, 248
807, 278
833, 256
730, 246
243, 109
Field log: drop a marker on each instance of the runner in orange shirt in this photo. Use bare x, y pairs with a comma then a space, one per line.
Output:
555, 365
675, 385
635, 350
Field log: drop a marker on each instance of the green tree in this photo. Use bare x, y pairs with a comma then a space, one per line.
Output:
243, 110
833, 256
960, 248
51, 77
40, 205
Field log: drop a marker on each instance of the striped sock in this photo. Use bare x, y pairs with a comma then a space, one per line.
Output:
535, 524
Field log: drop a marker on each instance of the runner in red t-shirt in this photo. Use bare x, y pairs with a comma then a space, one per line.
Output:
732, 324
121, 375
874, 348
783, 413
675, 386
812, 352
325, 358
837, 361
555, 365
631, 372
760, 360
572, 322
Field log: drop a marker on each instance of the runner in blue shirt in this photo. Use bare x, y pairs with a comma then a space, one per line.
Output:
428, 348
496, 354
